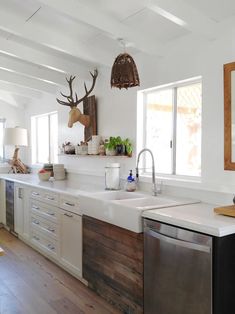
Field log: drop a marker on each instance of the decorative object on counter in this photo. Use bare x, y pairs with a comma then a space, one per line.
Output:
68, 148
16, 136
59, 171
130, 184
81, 149
49, 168
89, 117
112, 176
124, 72
44, 175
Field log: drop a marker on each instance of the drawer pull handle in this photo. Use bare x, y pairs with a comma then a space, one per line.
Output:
36, 222
35, 193
50, 246
35, 207
51, 229
69, 204
36, 238
68, 215
51, 214
50, 198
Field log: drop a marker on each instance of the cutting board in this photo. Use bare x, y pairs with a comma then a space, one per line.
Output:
225, 210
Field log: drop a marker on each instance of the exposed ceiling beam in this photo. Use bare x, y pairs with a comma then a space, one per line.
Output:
30, 70
8, 101
104, 23
5, 96
54, 40
20, 90
31, 83
45, 59
181, 13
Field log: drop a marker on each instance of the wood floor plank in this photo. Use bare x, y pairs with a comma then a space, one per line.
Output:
39, 286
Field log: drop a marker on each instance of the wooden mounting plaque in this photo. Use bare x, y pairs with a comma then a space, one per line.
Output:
90, 108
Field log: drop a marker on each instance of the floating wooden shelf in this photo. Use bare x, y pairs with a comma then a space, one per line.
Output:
96, 156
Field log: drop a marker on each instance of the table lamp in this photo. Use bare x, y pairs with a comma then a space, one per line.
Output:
18, 137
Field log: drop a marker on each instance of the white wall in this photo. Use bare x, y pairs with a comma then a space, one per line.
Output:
117, 109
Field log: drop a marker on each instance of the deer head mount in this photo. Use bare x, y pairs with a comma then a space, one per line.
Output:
75, 114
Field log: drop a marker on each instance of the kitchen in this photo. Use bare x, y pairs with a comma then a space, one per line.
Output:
41, 44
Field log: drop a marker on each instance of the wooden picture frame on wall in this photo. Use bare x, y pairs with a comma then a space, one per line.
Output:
229, 164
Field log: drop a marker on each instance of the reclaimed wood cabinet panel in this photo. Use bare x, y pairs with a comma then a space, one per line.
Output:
113, 264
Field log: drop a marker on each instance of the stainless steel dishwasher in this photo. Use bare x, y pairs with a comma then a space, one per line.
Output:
177, 270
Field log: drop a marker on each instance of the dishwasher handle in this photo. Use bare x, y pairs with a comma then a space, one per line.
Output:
174, 241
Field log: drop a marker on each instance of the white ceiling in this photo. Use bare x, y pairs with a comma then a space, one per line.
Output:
67, 37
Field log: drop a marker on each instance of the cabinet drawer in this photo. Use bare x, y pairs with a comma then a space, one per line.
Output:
44, 210
70, 203
48, 245
44, 225
45, 196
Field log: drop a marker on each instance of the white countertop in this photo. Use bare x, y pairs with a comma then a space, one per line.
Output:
63, 186
198, 217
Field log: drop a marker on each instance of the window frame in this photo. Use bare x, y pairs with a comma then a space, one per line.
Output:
36, 117
3, 121
142, 136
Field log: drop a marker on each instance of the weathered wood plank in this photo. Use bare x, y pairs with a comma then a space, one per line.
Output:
113, 264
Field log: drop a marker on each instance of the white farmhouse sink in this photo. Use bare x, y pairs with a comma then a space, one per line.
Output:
117, 195
124, 209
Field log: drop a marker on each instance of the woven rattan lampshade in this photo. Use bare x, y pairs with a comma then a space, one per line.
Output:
124, 72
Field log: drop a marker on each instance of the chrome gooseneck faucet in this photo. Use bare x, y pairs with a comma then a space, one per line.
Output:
154, 185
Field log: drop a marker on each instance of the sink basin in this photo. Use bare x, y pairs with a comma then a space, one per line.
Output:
117, 195
149, 202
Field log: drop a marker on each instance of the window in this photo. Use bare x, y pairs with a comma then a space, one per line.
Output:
2, 150
44, 132
171, 127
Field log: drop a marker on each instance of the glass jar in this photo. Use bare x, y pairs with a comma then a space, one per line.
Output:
112, 176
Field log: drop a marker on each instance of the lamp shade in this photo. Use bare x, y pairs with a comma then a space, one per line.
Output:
124, 72
16, 136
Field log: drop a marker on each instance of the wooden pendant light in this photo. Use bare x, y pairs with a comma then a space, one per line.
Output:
124, 72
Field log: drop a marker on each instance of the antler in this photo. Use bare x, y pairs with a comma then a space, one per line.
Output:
71, 102
94, 77
70, 99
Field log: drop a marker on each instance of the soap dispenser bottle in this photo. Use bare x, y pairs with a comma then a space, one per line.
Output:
130, 184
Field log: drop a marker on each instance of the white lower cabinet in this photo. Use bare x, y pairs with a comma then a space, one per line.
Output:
51, 223
71, 241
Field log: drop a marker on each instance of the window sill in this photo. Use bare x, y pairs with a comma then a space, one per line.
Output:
173, 180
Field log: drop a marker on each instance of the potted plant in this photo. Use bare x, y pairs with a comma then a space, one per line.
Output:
128, 147
120, 147
110, 146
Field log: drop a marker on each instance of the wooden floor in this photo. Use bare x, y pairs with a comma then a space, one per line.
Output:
31, 284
